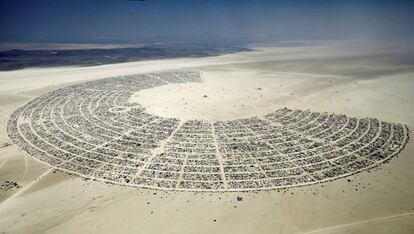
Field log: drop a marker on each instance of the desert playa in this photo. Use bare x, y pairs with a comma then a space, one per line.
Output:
210, 156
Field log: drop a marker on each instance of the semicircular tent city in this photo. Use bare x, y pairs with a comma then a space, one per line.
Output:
91, 130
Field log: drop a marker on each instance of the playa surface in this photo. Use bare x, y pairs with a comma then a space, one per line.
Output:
356, 81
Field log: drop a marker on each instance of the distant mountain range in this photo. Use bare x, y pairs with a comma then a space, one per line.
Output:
19, 59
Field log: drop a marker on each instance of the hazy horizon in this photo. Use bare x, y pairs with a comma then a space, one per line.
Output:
111, 21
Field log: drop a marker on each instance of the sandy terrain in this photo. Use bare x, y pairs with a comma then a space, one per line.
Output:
334, 78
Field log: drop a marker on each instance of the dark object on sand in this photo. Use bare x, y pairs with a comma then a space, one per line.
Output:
9, 185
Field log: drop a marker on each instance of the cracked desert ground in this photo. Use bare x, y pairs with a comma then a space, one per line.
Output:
359, 82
